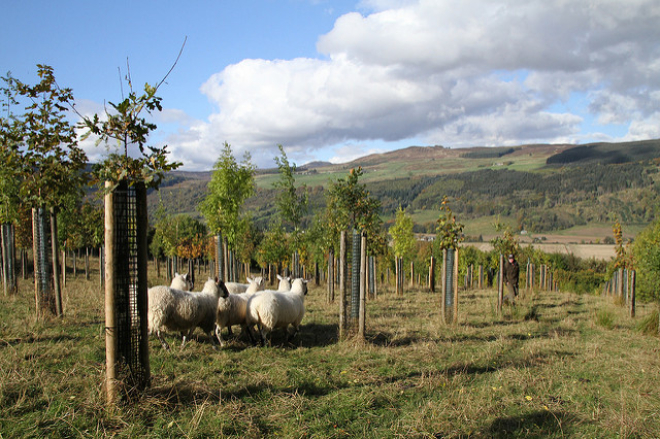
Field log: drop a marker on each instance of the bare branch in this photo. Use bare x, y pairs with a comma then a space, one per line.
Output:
173, 65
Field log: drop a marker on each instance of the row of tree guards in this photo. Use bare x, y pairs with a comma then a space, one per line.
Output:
125, 256
622, 288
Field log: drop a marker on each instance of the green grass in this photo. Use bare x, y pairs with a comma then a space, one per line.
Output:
544, 368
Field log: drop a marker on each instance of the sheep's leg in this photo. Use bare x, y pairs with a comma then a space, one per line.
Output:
187, 337
291, 335
246, 328
214, 340
229, 333
162, 341
263, 332
218, 334
265, 339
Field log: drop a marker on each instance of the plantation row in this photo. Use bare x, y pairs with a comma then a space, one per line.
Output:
40, 142
558, 364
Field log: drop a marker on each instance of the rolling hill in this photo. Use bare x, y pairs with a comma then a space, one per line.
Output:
540, 188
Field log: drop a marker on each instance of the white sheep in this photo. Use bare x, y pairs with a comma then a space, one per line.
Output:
277, 309
183, 311
182, 282
285, 283
231, 310
253, 285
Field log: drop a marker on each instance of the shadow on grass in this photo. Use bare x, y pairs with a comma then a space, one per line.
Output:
185, 394
310, 335
535, 424
505, 363
386, 339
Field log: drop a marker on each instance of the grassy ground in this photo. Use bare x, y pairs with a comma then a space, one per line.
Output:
555, 365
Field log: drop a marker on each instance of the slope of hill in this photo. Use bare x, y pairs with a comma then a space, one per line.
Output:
538, 188
607, 153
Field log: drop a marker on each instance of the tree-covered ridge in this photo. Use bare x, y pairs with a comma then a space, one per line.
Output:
487, 152
607, 153
539, 198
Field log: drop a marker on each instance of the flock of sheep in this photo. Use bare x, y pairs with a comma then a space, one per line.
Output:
178, 309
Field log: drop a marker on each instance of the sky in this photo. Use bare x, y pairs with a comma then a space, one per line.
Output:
336, 80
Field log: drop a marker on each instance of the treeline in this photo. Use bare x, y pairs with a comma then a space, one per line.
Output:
487, 152
607, 153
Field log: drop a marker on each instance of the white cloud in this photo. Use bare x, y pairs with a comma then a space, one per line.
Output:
347, 153
454, 72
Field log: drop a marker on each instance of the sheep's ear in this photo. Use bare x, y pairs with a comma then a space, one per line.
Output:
279, 277
250, 280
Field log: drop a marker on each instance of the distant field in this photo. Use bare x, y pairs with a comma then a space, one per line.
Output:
584, 251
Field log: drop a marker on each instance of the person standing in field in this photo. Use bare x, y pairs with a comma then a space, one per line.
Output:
511, 274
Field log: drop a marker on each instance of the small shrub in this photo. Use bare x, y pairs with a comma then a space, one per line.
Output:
604, 319
649, 324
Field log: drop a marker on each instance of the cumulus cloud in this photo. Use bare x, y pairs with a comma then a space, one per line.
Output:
451, 72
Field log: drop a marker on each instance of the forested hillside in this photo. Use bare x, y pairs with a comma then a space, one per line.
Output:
540, 188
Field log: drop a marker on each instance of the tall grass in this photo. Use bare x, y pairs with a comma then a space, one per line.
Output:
544, 368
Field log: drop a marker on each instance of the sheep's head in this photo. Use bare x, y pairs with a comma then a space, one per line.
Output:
259, 281
285, 283
222, 290
182, 282
300, 284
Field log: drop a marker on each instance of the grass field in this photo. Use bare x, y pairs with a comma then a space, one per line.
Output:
555, 365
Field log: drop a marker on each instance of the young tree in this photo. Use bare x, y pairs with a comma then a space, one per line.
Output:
349, 205
133, 164
623, 254
10, 178
52, 161
646, 250
10, 155
403, 242
274, 247
291, 203
449, 233
191, 240
126, 126
231, 184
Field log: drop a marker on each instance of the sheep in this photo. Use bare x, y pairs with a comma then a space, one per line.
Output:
277, 309
231, 311
285, 283
237, 288
175, 310
182, 282
256, 284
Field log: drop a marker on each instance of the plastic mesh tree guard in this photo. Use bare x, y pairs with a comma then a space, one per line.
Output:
220, 257
8, 258
42, 259
129, 285
448, 282
355, 275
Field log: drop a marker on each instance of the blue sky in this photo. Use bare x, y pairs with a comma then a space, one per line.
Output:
334, 80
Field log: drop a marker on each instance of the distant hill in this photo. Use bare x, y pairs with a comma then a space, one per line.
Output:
314, 165
536, 187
